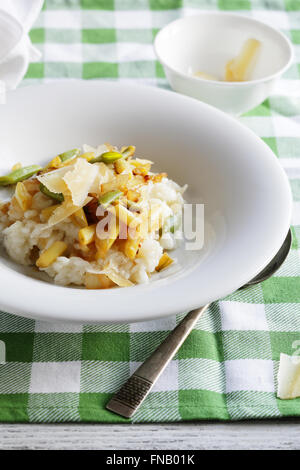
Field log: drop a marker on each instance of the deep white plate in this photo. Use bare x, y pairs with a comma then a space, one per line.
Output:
246, 193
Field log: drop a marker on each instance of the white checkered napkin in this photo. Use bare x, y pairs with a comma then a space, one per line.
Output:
227, 368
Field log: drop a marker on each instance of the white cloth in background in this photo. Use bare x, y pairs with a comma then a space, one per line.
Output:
16, 49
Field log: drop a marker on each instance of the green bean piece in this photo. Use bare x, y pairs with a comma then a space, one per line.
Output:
19, 175
96, 159
129, 151
56, 196
110, 157
172, 224
106, 199
69, 154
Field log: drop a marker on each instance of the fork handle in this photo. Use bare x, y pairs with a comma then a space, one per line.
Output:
127, 400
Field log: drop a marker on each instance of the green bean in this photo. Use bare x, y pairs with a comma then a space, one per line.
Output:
110, 157
109, 197
19, 175
69, 154
56, 196
96, 159
107, 157
172, 224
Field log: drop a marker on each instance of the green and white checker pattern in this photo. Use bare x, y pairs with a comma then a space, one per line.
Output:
227, 367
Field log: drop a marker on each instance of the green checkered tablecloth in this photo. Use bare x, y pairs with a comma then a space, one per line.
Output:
227, 368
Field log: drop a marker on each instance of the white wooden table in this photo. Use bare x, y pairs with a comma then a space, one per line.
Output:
283, 434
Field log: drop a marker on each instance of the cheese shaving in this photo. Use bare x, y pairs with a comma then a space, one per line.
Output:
65, 210
54, 180
104, 174
79, 180
288, 377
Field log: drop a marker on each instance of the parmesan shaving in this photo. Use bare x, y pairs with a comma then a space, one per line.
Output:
104, 174
288, 377
54, 180
79, 180
65, 210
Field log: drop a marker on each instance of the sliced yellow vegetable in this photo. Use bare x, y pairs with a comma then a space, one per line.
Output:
104, 241
117, 278
120, 165
79, 218
133, 195
164, 262
131, 247
87, 234
125, 216
155, 218
55, 163
51, 254
23, 197
142, 163
97, 281
48, 211
239, 69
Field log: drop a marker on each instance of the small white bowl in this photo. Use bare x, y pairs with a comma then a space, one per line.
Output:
205, 43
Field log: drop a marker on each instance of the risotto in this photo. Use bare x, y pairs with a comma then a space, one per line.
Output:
93, 217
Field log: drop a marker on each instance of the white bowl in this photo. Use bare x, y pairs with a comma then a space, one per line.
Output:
205, 43
246, 193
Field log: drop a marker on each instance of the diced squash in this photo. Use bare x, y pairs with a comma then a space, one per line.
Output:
79, 218
125, 216
157, 178
133, 195
55, 163
120, 165
51, 254
105, 240
164, 262
23, 197
136, 181
87, 235
131, 246
48, 211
